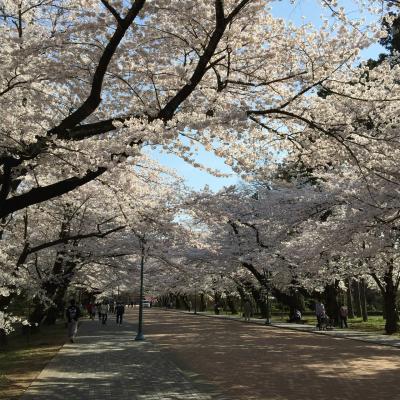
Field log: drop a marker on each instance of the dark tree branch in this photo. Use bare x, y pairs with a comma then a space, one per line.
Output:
94, 98
201, 68
40, 194
113, 11
74, 238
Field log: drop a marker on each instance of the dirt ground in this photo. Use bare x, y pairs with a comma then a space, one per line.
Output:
248, 361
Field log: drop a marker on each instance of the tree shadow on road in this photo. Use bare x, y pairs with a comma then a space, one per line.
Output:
249, 361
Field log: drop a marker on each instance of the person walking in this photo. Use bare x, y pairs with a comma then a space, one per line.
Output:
343, 313
319, 313
104, 313
94, 311
90, 309
98, 307
247, 309
72, 314
119, 310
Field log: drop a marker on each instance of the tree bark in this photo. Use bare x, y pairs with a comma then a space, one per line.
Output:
389, 293
391, 325
3, 338
390, 300
259, 298
231, 303
363, 300
203, 303
357, 298
349, 293
331, 299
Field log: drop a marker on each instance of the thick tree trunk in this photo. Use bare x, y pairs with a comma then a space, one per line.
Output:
203, 303
357, 298
259, 298
177, 301
230, 300
38, 313
3, 338
56, 311
389, 293
363, 300
294, 300
392, 318
349, 293
242, 295
331, 301
390, 301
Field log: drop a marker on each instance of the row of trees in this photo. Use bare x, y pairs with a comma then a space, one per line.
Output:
86, 86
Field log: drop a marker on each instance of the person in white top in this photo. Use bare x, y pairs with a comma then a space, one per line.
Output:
104, 308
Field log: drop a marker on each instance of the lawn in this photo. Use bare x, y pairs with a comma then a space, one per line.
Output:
24, 357
374, 324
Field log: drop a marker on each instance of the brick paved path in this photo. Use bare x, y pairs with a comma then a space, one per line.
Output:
106, 363
194, 357
249, 361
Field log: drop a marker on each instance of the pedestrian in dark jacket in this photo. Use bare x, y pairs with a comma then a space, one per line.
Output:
72, 314
119, 310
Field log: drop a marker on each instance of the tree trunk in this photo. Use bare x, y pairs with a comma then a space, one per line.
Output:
363, 300
391, 325
349, 293
38, 313
203, 303
390, 301
357, 298
294, 300
242, 295
331, 301
259, 298
57, 310
3, 338
230, 300
389, 293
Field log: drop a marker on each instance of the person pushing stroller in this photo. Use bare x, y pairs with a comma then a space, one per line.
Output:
322, 318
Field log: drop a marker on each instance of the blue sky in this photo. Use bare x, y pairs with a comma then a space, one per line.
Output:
299, 12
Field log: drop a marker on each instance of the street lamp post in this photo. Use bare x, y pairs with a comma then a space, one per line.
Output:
140, 335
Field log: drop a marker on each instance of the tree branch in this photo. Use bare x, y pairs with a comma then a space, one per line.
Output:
75, 237
94, 98
40, 194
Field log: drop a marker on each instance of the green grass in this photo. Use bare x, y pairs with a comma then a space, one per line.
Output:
375, 324
25, 356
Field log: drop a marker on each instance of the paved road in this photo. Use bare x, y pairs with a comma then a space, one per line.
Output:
248, 361
106, 363
195, 357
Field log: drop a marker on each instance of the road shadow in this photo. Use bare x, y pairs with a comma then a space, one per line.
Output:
249, 361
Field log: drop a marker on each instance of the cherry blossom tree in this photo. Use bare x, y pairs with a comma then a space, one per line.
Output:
84, 239
86, 84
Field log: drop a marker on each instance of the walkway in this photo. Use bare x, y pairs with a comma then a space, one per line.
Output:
370, 337
193, 357
106, 363
257, 362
